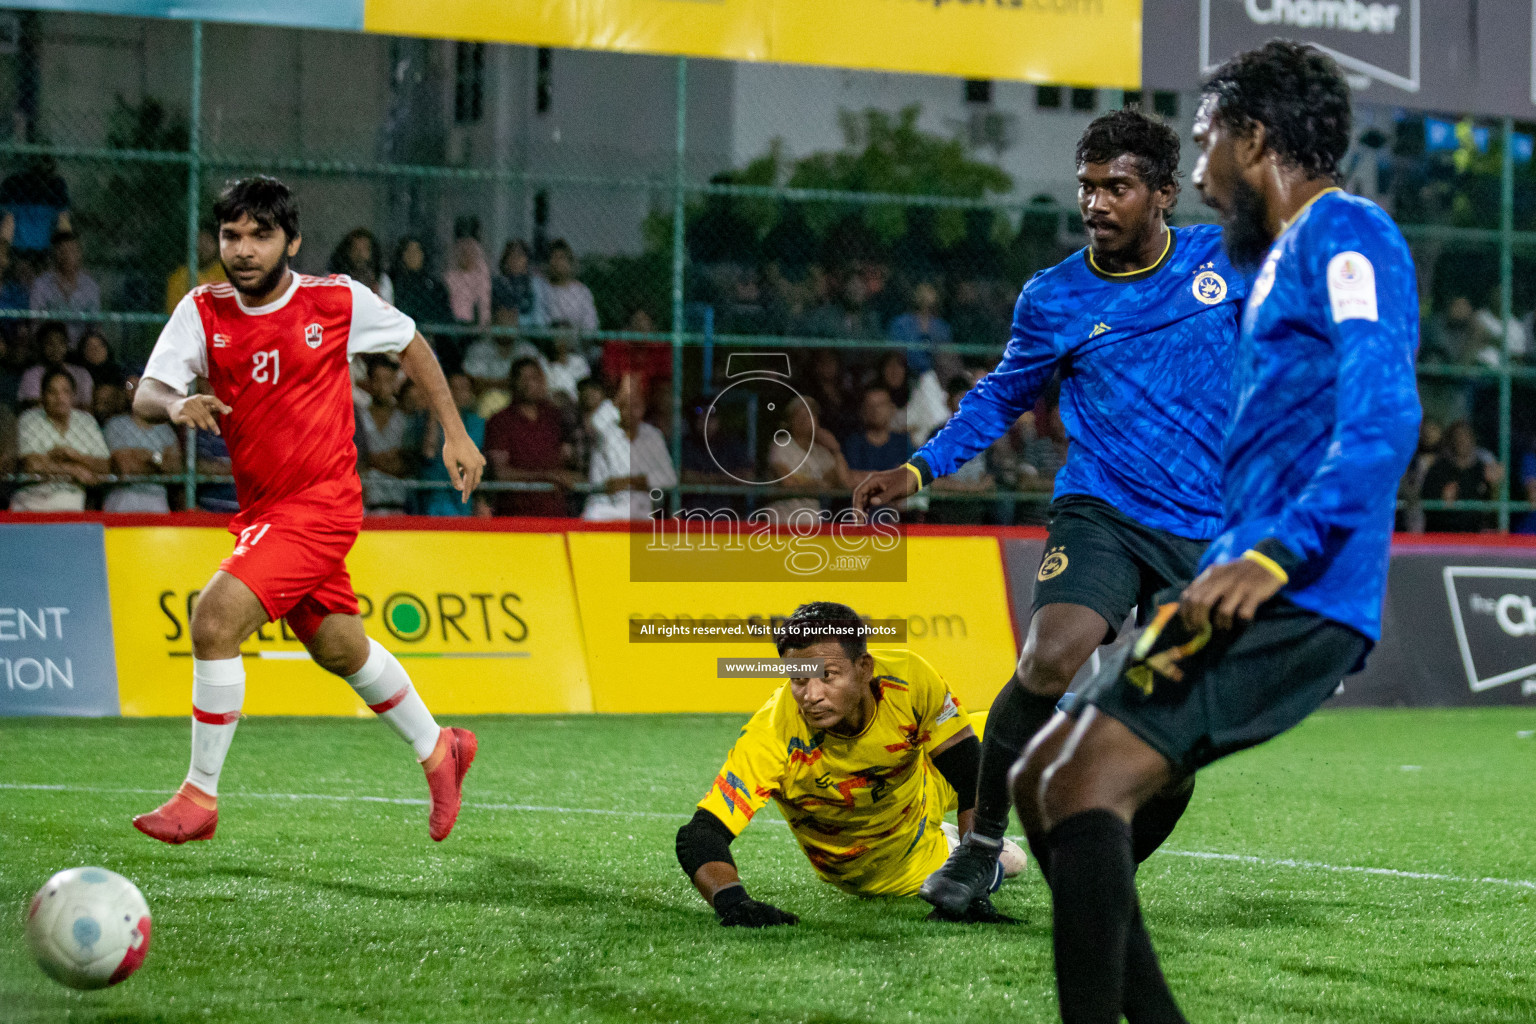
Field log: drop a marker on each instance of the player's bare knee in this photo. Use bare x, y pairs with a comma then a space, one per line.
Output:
1046, 668
335, 661
339, 645
215, 631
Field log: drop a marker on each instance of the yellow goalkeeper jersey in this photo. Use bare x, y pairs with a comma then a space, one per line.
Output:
865, 809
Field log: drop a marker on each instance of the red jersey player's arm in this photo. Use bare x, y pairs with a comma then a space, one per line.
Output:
158, 402
464, 461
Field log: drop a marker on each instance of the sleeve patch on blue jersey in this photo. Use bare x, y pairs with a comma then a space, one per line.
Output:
1351, 287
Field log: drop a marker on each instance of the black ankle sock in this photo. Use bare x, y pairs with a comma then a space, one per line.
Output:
1093, 898
1016, 716
1147, 999
1155, 820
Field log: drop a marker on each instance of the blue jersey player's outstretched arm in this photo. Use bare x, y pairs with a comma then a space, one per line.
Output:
985, 413
997, 400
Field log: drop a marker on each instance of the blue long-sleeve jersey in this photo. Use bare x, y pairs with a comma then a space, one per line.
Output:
1325, 413
1145, 362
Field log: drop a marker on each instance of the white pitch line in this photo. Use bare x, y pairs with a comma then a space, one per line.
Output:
1350, 869
1236, 858
397, 800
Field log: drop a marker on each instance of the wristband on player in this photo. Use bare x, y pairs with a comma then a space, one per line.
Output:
731, 896
1268, 563
920, 468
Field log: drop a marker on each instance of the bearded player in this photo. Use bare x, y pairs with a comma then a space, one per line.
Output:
1325, 418
1140, 326
274, 345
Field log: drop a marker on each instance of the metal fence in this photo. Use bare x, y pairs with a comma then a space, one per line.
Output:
683, 246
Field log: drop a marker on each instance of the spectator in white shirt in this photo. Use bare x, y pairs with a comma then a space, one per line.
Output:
384, 448
140, 448
567, 369
566, 298
629, 461
488, 363
58, 440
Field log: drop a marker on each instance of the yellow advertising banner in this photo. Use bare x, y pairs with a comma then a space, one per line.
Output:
954, 603
1068, 42
483, 622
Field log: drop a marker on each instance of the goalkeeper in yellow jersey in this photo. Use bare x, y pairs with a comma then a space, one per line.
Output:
863, 762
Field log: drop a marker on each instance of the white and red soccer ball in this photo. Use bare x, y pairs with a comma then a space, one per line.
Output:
88, 928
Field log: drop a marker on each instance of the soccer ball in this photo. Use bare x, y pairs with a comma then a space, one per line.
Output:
88, 928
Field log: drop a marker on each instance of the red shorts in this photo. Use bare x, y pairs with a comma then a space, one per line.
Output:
294, 561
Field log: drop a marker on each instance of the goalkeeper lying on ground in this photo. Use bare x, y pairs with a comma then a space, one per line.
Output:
863, 762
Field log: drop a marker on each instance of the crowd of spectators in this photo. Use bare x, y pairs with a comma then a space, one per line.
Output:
579, 426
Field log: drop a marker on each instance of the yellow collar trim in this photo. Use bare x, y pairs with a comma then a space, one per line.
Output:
1167, 244
1307, 205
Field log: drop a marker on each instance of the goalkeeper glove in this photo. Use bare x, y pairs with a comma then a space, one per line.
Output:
738, 910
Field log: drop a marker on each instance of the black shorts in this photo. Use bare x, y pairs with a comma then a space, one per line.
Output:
1099, 557
1240, 688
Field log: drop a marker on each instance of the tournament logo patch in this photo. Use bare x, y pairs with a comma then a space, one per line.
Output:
1351, 287
1209, 287
1053, 565
312, 335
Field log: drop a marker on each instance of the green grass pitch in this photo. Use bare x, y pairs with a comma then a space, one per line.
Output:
558, 897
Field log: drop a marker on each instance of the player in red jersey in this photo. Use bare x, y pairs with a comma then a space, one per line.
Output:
274, 345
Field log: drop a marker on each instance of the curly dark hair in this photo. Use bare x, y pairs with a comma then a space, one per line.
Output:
812, 623
267, 201
1298, 94
1150, 140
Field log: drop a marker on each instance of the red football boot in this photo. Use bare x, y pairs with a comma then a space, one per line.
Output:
190, 814
445, 778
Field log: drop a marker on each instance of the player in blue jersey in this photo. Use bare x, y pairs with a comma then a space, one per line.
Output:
1325, 418
1140, 327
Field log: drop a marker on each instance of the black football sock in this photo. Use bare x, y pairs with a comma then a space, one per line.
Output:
1147, 999
1041, 851
1093, 899
1015, 717
1155, 819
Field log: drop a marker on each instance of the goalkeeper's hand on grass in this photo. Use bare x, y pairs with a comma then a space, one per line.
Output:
738, 910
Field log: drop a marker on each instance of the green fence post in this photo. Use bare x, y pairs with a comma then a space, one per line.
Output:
1506, 284
194, 157
679, 254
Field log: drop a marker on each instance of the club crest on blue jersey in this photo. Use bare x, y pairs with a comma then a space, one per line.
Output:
1210, 287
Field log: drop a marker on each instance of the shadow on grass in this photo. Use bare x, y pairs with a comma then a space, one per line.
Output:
488, 880
27, 1008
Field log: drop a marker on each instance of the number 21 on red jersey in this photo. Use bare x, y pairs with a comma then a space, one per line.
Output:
264, 367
